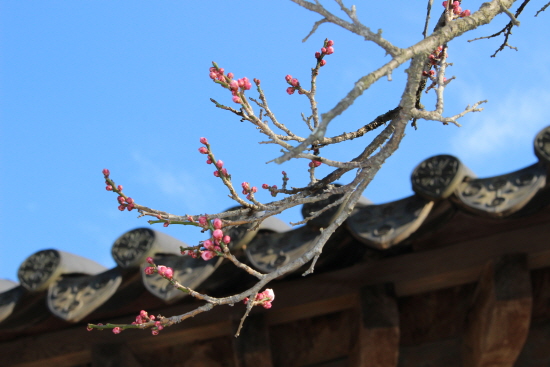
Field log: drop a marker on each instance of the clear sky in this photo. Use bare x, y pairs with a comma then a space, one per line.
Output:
124, 85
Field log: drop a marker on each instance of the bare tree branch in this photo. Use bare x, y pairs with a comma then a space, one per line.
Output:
542, 9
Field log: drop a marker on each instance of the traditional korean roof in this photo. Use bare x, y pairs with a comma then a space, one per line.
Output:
451, 205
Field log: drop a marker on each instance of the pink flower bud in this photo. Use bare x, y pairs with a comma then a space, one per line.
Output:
208, 161
323, 50
237, 99
119, 187
217, 234
288, 78
245, 301
166, 224
203, 150
317, 55
274, 187
221, 70
117, 330
219, 163
202, 221
267, 305
204, 141
265, 186
226, 239
121, 207
149, 270
106, 172
444, 4
150, 260
208, 244
230, 75
155, 332
224, 172
290, 90
257, 81
207, 255
247, 85
330, 43
323, 62
130, 207
465, 13
129, 200
168, 273
330, 50
295, 82
213, 75
254, 189
109, 188
217, 223
216, 173
120, 199
234, 85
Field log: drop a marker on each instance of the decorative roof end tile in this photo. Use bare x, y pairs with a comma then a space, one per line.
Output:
437, 177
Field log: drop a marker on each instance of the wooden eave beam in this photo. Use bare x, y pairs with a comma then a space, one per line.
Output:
413, 273
113, 355
377, 340
252, 348
498, 323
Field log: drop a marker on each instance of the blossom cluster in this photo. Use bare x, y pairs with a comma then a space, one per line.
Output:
249, 191
272, 189
220, 171
264, 298
163, 271
327, 49
123, 201
143, 318
213, 246
295, 85
236, 86
435, 59
457, 10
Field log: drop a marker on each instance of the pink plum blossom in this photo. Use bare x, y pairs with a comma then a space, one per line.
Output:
217, 234
207, 255
217, 223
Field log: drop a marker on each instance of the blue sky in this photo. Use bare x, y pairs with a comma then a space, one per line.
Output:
124, 85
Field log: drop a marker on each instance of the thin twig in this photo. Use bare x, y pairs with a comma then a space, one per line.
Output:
542, 9
426, 25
